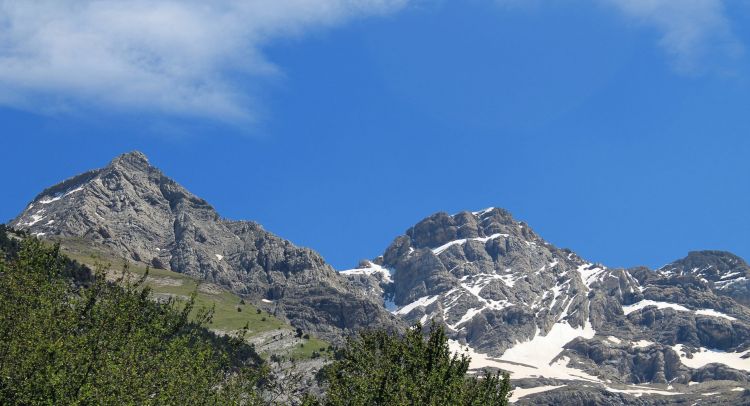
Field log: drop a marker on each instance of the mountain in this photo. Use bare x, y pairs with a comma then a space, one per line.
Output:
130, 209
570, 331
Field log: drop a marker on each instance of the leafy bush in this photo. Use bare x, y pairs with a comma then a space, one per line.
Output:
379, 368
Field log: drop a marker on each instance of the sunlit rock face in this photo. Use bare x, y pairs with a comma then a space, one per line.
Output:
132, 210
562, 324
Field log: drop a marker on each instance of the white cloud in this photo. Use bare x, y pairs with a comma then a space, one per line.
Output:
175, 57
692, 31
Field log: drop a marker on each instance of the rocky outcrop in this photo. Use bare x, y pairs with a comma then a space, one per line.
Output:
132, 210
725, 273
525, 306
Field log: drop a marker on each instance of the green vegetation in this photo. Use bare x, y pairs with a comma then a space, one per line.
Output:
72, 336
378, 368
63, 343
309, 346
166, 284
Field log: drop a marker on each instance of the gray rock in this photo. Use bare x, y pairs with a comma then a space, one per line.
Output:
495, 283
132, 210
491, 280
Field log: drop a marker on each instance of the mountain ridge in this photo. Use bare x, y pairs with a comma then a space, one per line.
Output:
557, 322
518, 303
133, 210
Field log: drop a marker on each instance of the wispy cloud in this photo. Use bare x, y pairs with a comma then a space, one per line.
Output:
163, 56
691, 31
184, 57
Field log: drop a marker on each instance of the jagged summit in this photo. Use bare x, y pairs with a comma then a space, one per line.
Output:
550, 317
726, 273
510, 298
441, 228
132, 161
131, 209
701, 260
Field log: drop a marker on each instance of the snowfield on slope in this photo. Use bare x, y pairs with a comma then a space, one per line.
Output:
705, 356
537, 357
627, 309
371, 269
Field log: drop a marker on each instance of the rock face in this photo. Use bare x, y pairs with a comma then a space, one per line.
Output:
569, 331
133, 210
726, 273
551, 318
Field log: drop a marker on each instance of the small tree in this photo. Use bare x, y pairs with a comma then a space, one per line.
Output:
379, 368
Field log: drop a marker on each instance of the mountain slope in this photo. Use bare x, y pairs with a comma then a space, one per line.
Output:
551, 318
570, 331
130, 209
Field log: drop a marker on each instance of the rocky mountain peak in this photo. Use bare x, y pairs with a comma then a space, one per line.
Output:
441, 228
513, 300
699, 261
134, 160
130, 209
518, 303
724, 272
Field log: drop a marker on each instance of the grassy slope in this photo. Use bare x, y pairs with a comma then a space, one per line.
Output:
226, 317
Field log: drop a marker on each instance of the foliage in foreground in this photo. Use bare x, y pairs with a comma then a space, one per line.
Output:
70, 337
378, 368
61, 343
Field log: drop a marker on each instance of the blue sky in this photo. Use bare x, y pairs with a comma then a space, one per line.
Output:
617, 128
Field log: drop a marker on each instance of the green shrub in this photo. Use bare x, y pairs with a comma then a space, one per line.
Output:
378, 368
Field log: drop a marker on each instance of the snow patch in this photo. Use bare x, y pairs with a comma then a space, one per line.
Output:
35, 218
721, 285
468, 316
590, 273
462, 241
614, 339
714, 313
706, 356
422, 301
59, 196
481, 213
638, 391
371, 269
645, 303
642, 343
219, 257
266, 301
537, 357
665, 305
729, 275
